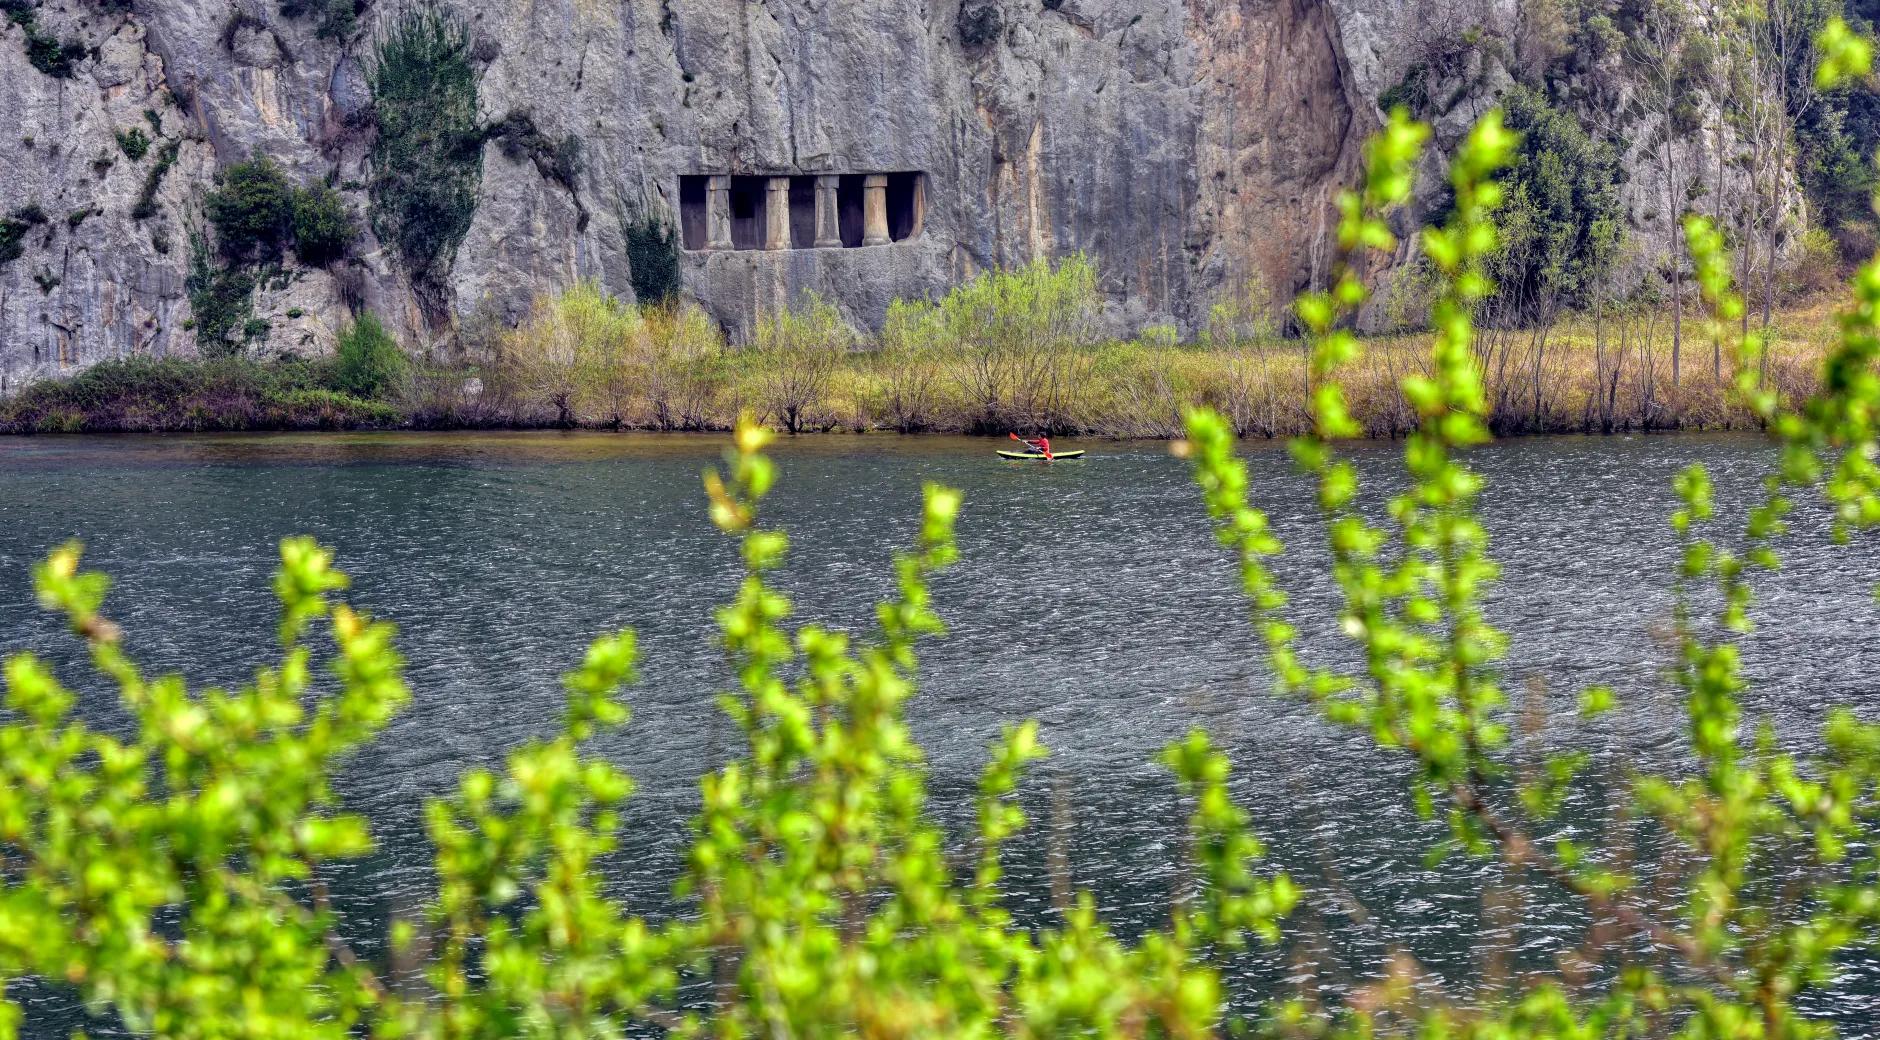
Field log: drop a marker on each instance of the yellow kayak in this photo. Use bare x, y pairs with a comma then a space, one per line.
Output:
1031, 456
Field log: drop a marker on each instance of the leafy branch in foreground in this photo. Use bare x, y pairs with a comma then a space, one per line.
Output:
1780, 872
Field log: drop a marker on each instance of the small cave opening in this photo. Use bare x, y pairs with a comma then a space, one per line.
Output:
849, 208
907, 205
802, 212
693, 233
747, 211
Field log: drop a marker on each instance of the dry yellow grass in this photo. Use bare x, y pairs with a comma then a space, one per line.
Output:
1578, 375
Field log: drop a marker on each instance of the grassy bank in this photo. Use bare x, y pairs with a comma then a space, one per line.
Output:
141, 395
1019, 362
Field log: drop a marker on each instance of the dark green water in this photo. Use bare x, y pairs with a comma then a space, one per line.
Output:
1090, 597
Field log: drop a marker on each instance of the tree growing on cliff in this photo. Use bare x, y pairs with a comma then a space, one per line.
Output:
322, 225
652, 258
256, 212
427, 157
252, 209
1562, 220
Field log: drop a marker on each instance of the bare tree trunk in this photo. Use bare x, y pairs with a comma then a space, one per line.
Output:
1540, 353
1716, 343
1774, 220
1677, 254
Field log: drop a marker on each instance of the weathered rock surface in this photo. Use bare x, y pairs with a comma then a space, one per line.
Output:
1188, 145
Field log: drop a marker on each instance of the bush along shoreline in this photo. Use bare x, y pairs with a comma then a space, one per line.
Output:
1010, 350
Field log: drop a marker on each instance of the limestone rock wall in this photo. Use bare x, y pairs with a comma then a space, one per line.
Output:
1187, 145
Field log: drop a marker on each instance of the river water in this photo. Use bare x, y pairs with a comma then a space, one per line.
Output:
1090, 596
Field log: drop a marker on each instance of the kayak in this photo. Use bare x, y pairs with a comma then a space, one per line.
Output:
1028, 456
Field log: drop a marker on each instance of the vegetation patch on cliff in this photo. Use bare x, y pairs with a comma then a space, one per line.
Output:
14, 229
146, 206
222, 300
427, 159
652, 258
43, 49
134, 143
334, 19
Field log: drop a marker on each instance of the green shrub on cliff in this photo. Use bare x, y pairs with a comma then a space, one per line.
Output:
322, 225
336, 18
146, 205
256, 212
13, 231
221, 300
134, 143
652, 258
427, 158
251, 208
43, 50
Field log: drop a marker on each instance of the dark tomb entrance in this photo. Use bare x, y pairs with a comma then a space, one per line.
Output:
693, 192
906, 205
849, 208
747, 212
802, 212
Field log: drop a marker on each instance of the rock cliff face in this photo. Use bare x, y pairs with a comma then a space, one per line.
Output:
1188, 145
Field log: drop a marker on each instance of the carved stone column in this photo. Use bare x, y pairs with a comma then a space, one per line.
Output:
875, 210
718, 213
777, 214
828, 215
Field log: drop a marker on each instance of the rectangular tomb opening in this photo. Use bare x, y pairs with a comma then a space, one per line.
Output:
907, 205
692, 207
748, 211
802, 212
849, 208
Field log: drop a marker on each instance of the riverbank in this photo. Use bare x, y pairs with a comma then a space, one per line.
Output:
1580, 375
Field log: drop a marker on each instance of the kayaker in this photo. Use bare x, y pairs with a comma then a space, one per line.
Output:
1041, 446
